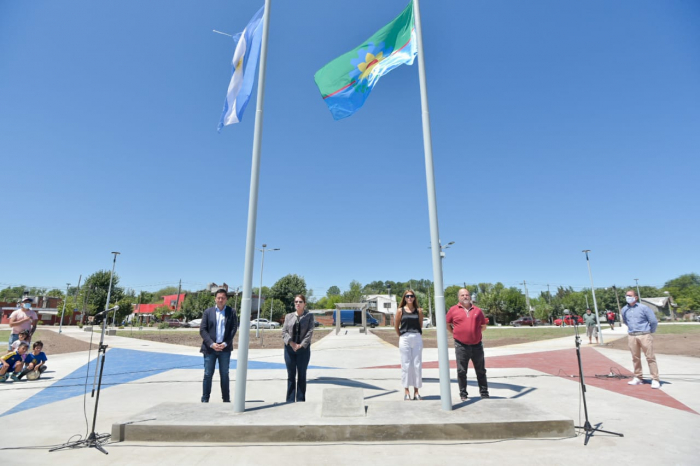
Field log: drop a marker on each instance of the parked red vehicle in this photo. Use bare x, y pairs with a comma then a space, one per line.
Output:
568, 320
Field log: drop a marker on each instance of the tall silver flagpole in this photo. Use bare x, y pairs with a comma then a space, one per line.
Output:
244, 335
443, 356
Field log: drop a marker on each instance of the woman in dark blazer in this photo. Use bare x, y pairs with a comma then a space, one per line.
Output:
297, 331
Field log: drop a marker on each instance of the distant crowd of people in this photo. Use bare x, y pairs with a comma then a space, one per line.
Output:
23, 358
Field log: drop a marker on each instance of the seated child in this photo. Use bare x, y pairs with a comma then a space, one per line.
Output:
34, 362
13, 361
23, 336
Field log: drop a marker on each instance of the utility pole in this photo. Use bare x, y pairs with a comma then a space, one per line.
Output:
60, 325
549, 295
639, 295
177, 301
527, 302
587, 305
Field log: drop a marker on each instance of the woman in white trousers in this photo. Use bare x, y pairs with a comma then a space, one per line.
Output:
409, 327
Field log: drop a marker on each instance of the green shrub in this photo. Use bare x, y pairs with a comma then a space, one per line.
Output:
121, 327
80, 325
163, 325
41, 322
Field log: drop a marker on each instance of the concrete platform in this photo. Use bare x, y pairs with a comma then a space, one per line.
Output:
302, 422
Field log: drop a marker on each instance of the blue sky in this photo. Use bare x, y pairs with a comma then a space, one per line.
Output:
557, 126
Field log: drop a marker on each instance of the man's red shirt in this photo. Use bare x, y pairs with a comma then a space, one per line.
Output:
466, 325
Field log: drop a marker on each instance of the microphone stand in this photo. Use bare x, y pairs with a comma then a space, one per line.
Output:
94, 440
590, 430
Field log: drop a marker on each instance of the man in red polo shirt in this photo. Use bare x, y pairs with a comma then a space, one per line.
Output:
466, 322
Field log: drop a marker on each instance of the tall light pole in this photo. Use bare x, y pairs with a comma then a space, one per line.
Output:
60, 325
639, 295
262, 265
595, 304
527, 303
442, 248
617, 298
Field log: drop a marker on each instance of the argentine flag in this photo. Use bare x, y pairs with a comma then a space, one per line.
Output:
245, 60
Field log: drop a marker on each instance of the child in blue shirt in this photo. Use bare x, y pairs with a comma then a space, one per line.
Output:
13, 362
34, 362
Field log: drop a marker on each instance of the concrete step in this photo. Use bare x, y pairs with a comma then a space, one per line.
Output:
303, 422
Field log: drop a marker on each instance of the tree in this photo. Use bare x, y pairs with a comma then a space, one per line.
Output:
95, 291
278, 310
685, 291
451, 296
333, 291
354, 294
125, 309
286, 288
161, 311
195, 303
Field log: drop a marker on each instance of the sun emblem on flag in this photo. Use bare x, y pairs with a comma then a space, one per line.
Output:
367, 58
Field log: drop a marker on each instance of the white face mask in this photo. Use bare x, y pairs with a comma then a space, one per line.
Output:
630, 299
27, 305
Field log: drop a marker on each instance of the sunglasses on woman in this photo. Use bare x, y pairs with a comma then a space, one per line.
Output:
409, 296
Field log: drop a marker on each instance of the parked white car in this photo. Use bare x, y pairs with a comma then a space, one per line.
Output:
427, 323
194, 323
263, 323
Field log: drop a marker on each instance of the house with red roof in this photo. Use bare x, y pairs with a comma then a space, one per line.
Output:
145, 312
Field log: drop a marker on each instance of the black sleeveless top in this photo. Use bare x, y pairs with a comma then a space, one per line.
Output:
410, 322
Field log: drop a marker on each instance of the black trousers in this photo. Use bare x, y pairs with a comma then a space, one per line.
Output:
297, 362
476, 353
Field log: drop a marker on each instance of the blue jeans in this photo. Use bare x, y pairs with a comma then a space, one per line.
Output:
224, 358
13, 338
297, 362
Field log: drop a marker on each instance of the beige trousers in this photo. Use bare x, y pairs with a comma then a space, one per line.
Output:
637, 344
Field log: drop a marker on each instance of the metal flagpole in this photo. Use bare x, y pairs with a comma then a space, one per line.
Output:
443, 356
244, 336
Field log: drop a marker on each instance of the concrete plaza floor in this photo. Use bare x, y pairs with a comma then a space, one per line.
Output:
659, 426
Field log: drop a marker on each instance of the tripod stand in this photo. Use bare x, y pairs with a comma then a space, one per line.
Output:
94, 440
590, 430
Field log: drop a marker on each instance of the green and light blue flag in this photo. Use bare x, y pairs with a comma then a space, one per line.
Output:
345, 83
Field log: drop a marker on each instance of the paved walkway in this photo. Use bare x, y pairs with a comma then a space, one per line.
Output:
659, 426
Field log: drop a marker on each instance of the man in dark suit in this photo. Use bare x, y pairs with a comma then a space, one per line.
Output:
217, 330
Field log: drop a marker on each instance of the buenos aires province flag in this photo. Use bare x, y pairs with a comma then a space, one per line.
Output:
245, 60
345, 83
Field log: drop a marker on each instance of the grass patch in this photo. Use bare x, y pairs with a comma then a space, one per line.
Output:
524, 333
677, 329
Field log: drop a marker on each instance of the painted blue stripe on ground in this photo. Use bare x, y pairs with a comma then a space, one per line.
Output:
124, 366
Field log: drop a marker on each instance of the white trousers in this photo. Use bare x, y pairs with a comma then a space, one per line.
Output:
411, 349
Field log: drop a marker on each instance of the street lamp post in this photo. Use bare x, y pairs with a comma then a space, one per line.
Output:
60, 325
639, 295
595, 304
262, 266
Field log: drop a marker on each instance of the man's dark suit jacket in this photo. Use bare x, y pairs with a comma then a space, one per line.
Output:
207, 329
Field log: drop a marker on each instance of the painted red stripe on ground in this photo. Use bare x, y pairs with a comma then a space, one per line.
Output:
563, 363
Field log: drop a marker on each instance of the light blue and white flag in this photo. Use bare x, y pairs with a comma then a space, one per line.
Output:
245, 60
